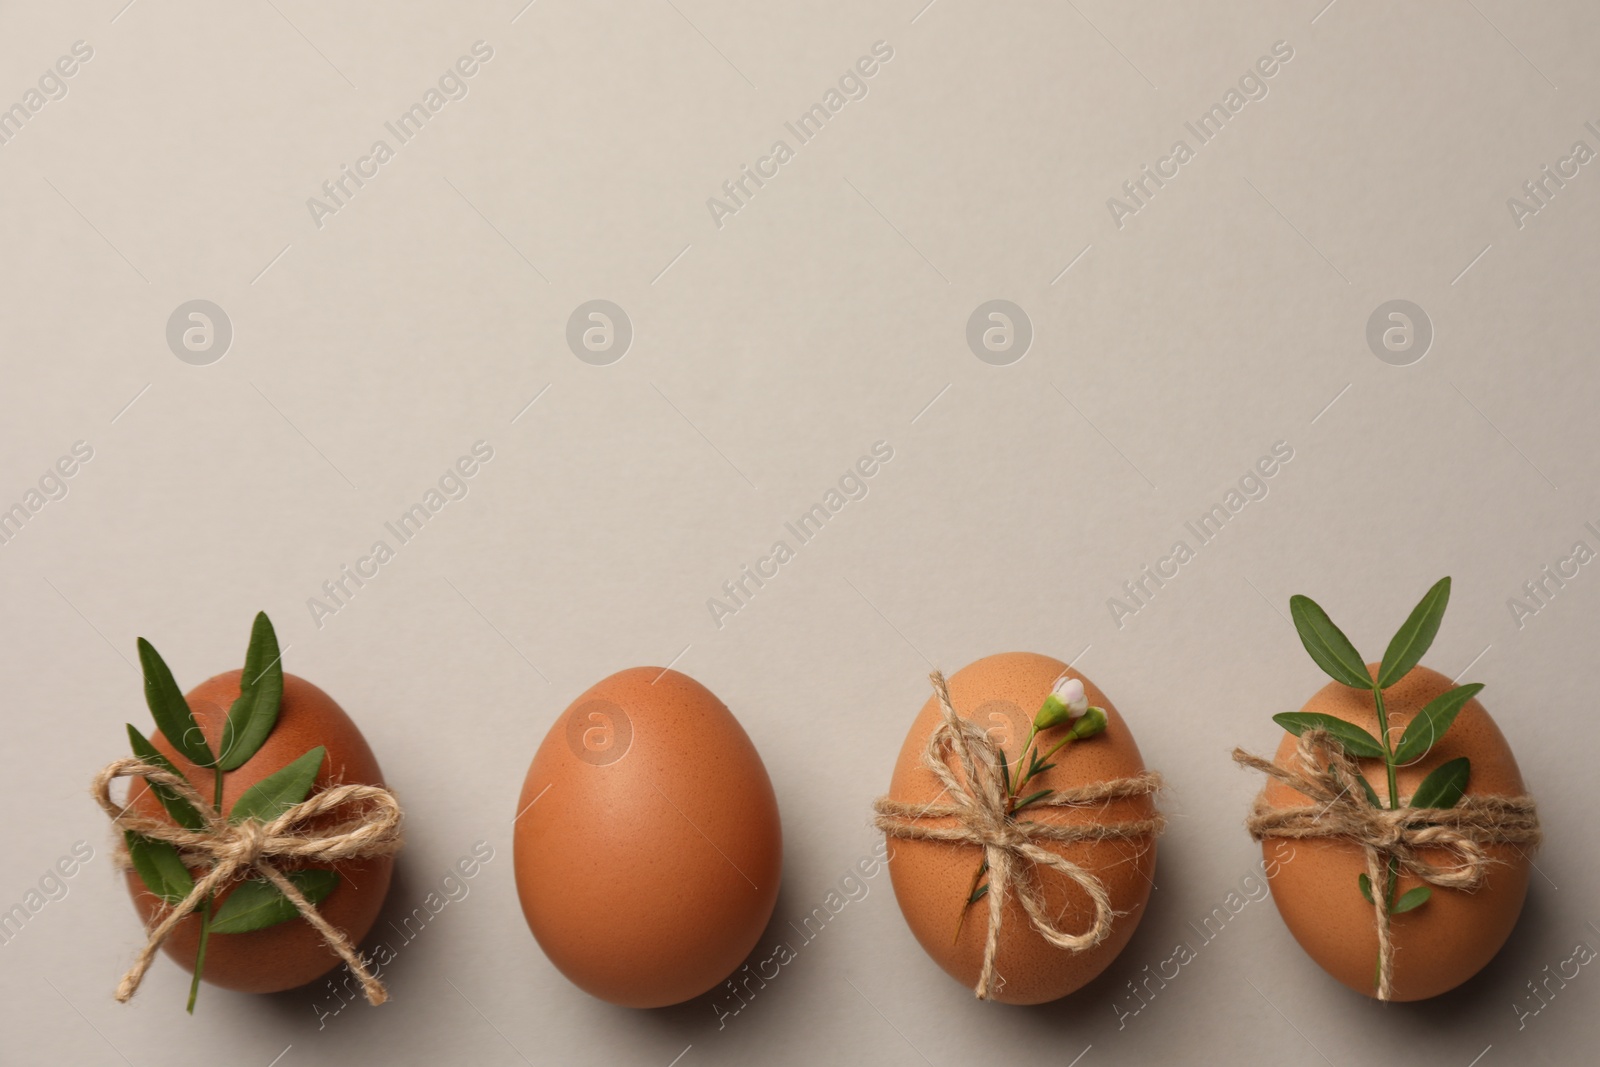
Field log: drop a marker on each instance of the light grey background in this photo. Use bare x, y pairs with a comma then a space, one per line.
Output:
768, 354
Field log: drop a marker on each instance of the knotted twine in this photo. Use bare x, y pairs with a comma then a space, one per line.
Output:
980, 802
235, 850
1332, 779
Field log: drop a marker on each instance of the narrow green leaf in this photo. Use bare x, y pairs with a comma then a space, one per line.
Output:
1040, 795
1351, 737
1444, 786
169, 709
1044, 768
1005, 772
255, 713
1432, 722
1327, 644
1366, 787
1411, 641
978, 894
181, 810
280, 790
1366, 887
1372, 794
1411, 898
256, 903
159, 866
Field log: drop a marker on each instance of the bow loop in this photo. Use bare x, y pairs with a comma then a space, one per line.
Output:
233, 850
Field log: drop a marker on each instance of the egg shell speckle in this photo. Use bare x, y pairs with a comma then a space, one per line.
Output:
647, 877
931, 879
1314, 882
292, 953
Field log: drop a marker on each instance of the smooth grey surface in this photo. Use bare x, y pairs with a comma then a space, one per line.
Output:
767, 354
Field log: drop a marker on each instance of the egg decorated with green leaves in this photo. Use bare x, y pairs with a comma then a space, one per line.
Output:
287, 740
1425, 748
1316, 884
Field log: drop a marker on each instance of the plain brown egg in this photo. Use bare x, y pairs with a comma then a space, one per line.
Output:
291, 953
647, 843
1314, 882
931, 879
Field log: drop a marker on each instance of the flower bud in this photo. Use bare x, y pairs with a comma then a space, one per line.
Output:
1092, 721
1066, 704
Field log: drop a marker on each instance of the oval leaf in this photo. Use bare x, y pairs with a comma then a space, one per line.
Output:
1411, 641
257, 904
1328, 645
169, 709
1444, 786
159, 866
182, 812
255, 713
1366, 887
280, 790
1352, 738
1411, 898
1432, 721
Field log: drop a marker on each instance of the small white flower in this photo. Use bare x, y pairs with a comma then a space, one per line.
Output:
1070, 692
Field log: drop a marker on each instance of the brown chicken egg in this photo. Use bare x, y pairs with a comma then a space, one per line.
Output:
932, 879
647, 844
1314, 881
291, 953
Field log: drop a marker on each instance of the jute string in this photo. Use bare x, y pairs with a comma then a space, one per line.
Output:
980, 803
1331, 778
234, 851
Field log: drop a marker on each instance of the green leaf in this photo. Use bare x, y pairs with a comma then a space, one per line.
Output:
1366, 787
182, 812
1411, 898
1432, 722
1005, 771
1372, 794
1411, 641
169, 709
1444, 786
159, 866
280, 790
1366, 887
256, 903
255, 713
1040, 795
1351, 737
978, 894
1328, 645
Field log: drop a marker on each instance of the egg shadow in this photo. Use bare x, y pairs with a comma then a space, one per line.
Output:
716, 1008
309, 1002
1101, 992
1500, 985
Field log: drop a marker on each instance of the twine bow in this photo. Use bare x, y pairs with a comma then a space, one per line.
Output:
234, 850
980, 803
1331, 778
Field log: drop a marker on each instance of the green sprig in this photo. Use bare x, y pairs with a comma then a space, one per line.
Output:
254, 904
1053, 712
1337, 656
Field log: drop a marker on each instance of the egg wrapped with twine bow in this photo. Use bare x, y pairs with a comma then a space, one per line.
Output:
1023, 842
